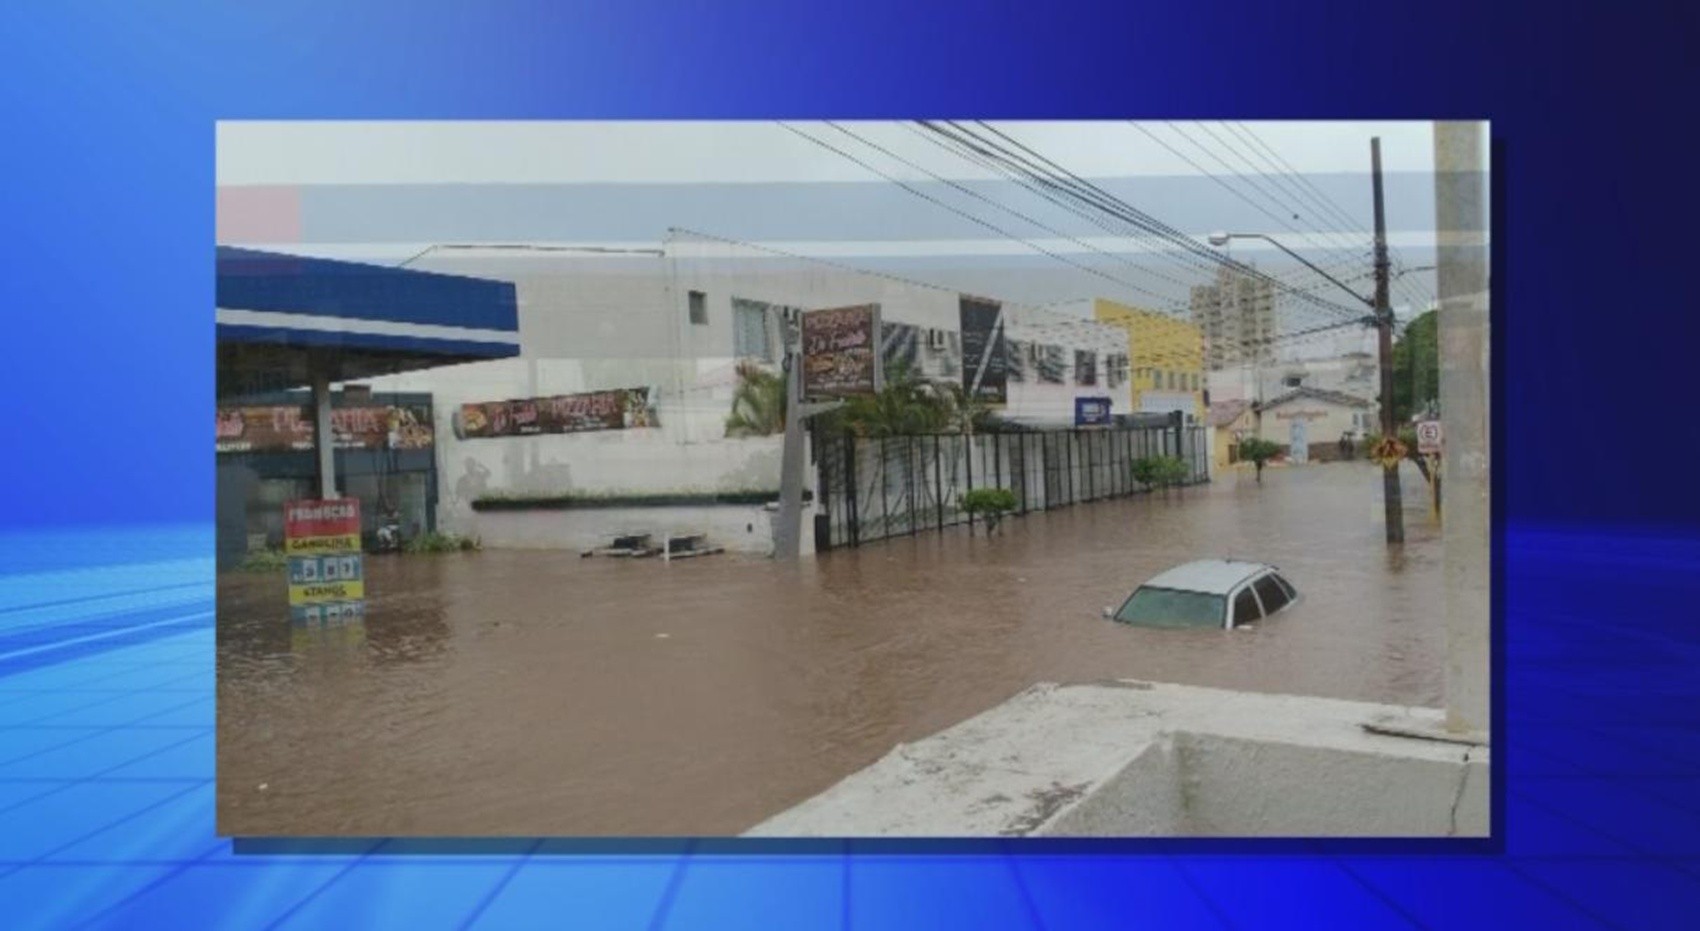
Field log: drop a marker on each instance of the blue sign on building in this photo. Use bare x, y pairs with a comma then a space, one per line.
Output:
1091, 412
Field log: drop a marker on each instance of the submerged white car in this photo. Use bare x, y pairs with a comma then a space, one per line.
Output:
1220, 593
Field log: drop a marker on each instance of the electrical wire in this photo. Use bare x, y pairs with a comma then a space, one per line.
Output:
970, 217
1097, 197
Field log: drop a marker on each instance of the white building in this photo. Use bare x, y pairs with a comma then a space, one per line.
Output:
677, 320
1356, 374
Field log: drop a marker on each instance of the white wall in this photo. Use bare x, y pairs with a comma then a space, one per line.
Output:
1326, 420
590, 321
723, 270
1356, 375
738, 528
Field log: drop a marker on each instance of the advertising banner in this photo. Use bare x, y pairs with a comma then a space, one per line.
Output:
619, 409
1091, 412
327, 573
985, 365
841, 352
289, 428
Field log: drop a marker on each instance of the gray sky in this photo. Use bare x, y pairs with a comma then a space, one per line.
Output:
753, 152
384, 191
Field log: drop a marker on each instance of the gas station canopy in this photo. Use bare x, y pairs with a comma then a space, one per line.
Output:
283, 318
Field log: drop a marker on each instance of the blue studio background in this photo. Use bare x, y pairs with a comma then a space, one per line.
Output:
106, 674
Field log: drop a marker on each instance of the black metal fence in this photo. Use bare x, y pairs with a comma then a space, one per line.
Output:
878, 487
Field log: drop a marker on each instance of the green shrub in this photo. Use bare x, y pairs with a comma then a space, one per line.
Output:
988, 501
990, 504
442, 543
508, 501
1161, 471
265, 561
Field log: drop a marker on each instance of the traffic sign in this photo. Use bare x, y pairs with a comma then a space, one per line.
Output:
1430, 438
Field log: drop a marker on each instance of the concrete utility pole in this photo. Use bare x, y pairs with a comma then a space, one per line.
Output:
788, 532
1460, 197
1392, 500
324, 438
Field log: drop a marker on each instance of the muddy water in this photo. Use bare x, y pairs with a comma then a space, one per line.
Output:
534, 693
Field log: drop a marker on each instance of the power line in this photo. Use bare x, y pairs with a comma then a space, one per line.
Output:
1277, 201
1212, 260
1318, 196
970, 147
1103, 200
1352, 258
970, 217
981, 197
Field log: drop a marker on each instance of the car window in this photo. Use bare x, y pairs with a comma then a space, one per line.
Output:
1246, 609
1274, 597
1286, 586
1168, 607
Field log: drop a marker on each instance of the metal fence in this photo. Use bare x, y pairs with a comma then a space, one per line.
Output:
878, 487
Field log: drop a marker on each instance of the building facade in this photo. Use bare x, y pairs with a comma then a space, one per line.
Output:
1166, 358
1308, 418
1236, 315
674, 325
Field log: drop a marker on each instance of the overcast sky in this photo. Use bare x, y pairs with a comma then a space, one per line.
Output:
251, 153
387, 191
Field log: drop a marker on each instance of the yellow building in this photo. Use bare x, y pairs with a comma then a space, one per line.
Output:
1165, 358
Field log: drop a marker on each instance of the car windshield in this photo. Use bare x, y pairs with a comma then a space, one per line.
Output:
1168, 607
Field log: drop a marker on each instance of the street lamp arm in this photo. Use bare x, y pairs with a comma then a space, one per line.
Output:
1222, 238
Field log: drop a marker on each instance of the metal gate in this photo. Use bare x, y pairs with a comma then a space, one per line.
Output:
878, 487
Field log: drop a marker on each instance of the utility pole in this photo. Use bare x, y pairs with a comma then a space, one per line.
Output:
788, 532
1461, 219
788, 527
1392, 500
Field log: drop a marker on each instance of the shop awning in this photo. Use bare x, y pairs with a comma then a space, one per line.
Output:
279, 314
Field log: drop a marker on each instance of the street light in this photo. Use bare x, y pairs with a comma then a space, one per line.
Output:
1381, 318
1220, 240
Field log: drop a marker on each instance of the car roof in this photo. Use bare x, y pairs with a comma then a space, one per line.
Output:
1215, 576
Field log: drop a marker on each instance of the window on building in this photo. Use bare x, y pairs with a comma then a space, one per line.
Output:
1085, 367
751, 333
1293, 381
699, 307
1052, 370
1015, 360
1171, 381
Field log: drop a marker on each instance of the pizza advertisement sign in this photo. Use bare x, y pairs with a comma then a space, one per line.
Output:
273, 428
617, 409
841, 352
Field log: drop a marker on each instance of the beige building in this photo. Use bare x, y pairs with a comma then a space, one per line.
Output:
1237, 317
1307, 417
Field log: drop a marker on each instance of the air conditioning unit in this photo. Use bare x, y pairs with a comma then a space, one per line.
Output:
936, 340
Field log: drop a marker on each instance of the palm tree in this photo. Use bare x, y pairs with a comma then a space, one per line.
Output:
906, 405
758, 403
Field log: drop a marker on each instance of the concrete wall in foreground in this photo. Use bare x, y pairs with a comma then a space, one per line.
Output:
1205, 785
1130, 759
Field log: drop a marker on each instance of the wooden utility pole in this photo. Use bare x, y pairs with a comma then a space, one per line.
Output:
1392, 499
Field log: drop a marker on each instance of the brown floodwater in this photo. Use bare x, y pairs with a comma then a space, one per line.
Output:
538, 693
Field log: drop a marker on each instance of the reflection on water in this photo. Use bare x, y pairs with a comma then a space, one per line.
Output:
526, 693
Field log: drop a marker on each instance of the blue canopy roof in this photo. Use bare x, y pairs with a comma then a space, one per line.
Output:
276, 311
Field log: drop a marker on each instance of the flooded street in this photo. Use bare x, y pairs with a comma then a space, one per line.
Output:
537, 693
